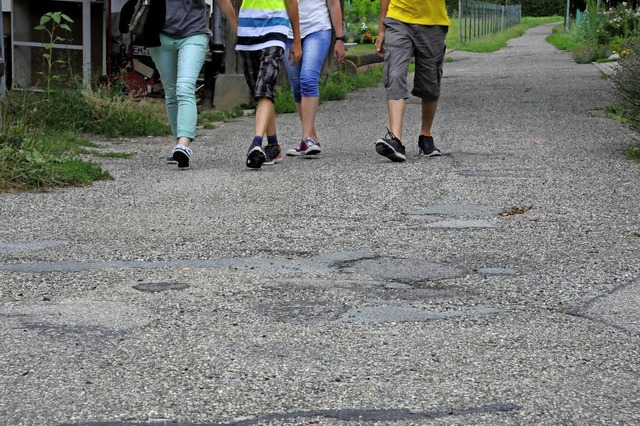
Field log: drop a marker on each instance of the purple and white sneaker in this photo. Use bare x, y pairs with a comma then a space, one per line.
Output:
306, 147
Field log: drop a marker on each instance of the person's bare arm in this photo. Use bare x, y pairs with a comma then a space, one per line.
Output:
384, 7
230, 14
335, 12
295, 54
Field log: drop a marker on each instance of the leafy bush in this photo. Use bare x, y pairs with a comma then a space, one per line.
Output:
621, 21
361, 17
588, 54
626, 81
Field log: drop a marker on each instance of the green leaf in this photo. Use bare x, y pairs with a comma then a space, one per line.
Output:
44, 19
65, 27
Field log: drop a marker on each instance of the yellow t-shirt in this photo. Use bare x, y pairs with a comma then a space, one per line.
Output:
424, 12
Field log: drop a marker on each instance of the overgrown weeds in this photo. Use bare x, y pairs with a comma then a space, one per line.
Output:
40, 142
626, 81
33, 160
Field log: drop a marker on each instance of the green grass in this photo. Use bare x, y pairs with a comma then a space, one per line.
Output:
563, 40
633, 154
36, 161
40, 142
496, 41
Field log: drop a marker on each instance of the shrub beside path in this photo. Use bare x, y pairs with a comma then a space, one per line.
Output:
498, 284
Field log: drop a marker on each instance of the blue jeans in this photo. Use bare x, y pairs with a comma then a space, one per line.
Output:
304, 75
179, 62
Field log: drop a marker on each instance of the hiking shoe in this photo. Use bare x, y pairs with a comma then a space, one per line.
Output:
306, 147
427, 147
256, 157
391, 147
180, 155
273, 154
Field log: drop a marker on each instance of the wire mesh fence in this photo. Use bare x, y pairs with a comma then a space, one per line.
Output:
477, 18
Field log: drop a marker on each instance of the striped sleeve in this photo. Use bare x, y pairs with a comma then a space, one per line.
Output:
259, 28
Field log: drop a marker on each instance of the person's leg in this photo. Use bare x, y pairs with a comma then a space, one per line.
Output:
429, 109
191, 55
265, 118
267, 77
315, 47
429, 55
395, 109
398, 53
165, 57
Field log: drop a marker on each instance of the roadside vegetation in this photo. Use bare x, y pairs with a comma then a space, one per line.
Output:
612, 34
43, 134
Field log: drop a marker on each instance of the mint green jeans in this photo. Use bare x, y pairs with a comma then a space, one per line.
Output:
179, 62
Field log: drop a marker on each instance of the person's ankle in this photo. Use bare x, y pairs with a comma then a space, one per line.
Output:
257, 141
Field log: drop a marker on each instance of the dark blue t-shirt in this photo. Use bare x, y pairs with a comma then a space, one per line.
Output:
185, 18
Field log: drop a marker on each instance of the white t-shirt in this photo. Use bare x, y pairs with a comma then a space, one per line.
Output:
314, 16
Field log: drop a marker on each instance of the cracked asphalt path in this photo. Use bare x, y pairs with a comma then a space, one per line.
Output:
497, 284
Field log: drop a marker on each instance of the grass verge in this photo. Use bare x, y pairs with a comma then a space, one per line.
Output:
40, 146
494, 42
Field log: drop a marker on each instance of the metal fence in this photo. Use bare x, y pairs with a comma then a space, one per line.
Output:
477, 19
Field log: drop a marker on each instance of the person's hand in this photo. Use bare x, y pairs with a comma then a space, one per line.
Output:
338, 52
295, 52
380, 44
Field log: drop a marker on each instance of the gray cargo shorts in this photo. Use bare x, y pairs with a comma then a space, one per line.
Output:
403, 41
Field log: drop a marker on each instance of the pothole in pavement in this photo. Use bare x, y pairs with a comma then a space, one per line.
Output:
461, 224
302, 310
517, 174
29, 245
404, 270
456, 210
158, 287
460, 210
357, 415
88, 321
396, 314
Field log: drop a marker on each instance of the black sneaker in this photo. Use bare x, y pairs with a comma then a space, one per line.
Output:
180, 155
256, 157
427, 147
273, 154
391, 147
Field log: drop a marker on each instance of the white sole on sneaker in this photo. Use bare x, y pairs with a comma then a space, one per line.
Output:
313, 150
256, 157
386, 150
